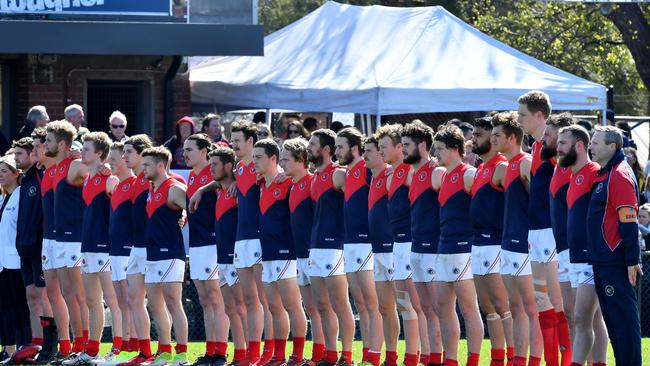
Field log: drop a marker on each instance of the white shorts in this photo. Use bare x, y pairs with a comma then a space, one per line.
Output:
384, 267
515, 264
423, 267
247, 253
167, 270
358, 257
52, 255
581, 274
564, 266
203, 263
402, 261
137, 261
228, 275
95, 262
486, 259
70, 252
275, 271
303, 271
453, 267
119, 265
325, 262
542, 246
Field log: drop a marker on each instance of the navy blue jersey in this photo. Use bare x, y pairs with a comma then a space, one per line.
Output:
94, 234
120, 229
164, 236
302, 215
486, 208
357, 180
248, 202
425, 212
47, 196
455, 236
68, 206
201, 221
558, 190
328, 227
29, 225
578, 196
541, 173
275, 222
515, 213
225, 226
140, 192
381, 235
399, 206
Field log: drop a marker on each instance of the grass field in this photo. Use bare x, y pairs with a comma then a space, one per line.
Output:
198, 348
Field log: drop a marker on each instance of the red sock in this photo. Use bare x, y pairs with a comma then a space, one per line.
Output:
424, 359
37, 341
564, 339
220, 348
534, 361
145, 347
239, 355
180, 348
331, 357
92, 348
410, 359
519, 361
64, 347
391, 358
450, 362
78, 345
133, 345
497, 357
510, 354
298, 347
85, 334
164, 348
269, 346
210, 347
279, 349
117, 343
253, 351
364, 354
436, 358
549, 335
373, 358
473, 358
317, 352
346, 356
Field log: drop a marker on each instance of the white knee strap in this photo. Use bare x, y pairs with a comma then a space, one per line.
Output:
404, 305
492, 317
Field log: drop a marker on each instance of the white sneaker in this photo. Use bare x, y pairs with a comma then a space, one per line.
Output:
82, 359
113, 359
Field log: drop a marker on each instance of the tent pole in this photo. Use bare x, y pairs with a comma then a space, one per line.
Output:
268, 118
378, 122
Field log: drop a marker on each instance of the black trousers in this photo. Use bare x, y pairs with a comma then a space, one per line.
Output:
14, 312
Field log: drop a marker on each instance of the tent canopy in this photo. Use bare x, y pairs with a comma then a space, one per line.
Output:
383, 60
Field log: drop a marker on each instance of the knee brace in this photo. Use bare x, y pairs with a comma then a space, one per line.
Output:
506, 315
404, 306
541, 296
492, 317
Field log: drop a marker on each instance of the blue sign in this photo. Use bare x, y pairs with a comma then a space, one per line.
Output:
101, 7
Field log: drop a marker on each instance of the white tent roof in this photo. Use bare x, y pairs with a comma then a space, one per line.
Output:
383, 60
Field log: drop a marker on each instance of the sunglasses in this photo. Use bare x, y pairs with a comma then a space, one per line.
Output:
261, 133
294, 131
118, 126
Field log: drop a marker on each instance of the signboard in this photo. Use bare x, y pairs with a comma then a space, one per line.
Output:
95, 7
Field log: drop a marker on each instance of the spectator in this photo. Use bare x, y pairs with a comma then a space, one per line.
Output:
639, 173
117, 127
336, 126
74, 114
263, 132
211, 126
259, 117
644, 226
296, 129
586, 124
36, 117
185, 127
310, 124
627, 134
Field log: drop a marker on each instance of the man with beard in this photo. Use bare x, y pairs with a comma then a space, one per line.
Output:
487, 224
359, 261
589, 330
326, 254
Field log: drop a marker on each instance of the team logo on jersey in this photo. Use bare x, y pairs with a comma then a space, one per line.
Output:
252, 170
579, 179
97, 181
240, 170
514, 165
328, 267
609, 290
302, 185
400, 173
422, 176
486, 172
160, 273
62, 168
158, 196
454, 178
455, 271
359, 260
430, 271
142, 181
256, 254
486, 264
208, 270
126, 187
100, 262
547, 251
191, 180
276, 193
325, 176
52, 172
233, 274
599, 187
516, 265
32, 191
74, 258
408, 267
357, 173
204, 179
379, 182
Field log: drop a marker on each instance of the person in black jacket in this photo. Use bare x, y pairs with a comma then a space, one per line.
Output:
36, 117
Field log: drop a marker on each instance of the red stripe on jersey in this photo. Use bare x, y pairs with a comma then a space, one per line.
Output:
561, 177
93, 186
513, 172
47, 183
140, 185
122, 192
421, 182
62, 169
536, 152
197, 181
377, 188
323, 181
225, 202
273, 193
582, 182
355, 178
452, 183
485, 173
300, 191
246, 177
399, 178
158, 197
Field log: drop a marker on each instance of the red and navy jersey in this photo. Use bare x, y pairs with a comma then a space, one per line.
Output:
425, 212
327, 230
357, 182
163, 235
486, 208
248, 201
94, 234
201, 221
614, 187
47, 195
541, 173
302, 215
515, 212
577, 197
455, 237
120, 229
399, 206
68, 205
225, 225
139, 194
381, 235
558, 191
275, 222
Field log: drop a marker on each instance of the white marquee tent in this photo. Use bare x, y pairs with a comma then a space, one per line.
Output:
382, 60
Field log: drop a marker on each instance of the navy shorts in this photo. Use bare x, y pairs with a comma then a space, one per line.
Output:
31, 269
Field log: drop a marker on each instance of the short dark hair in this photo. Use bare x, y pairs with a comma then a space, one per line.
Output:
25, 143
39, 133
310, 123
393, 131
578, 132
536, 101
271, 148
202, 141
336, 126
140, 142
452, 137
247, 128
586, 124
484, 123
205, 122
327, 138
418, 132
160, 154
297, 147
560, 120
508, 120
371, 140
101, 142
466, 127
353, 136
225, 154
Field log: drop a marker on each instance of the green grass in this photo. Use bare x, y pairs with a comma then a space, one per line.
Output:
196, 349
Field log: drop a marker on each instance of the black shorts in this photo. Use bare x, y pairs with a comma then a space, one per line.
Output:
31, 269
